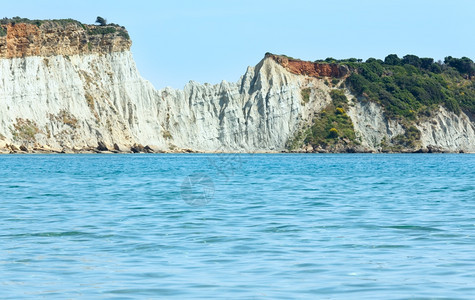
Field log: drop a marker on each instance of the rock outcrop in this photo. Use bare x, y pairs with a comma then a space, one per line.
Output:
308, 68
52, 38
65, 89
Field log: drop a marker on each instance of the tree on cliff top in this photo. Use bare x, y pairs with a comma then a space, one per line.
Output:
101, 21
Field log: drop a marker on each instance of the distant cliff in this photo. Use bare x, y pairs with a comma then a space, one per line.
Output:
71, 87
60, 37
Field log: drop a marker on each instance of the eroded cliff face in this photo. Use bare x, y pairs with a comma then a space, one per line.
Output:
53, 38
81, 102
63, 89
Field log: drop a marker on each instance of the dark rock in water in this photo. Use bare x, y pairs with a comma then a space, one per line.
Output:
23, 148
137, 148
422, 150
101, 146
147, 149
434, 149
67, 150
365, 150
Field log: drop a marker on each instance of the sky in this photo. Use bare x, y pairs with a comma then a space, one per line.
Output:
209, 41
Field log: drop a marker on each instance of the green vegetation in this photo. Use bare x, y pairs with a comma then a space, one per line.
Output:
67, 118
101, 21
15, 20
123, 33
101, 30
409, 138
283, 55
104, 28
331, 60
409, 89
412, 87
109, 29
333, 124
24, 130
296, 142
305, 93
331, 127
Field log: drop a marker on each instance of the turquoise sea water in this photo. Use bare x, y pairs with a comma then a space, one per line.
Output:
278, 226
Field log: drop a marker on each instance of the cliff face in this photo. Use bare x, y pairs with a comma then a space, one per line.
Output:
78, 102
445, 131
53, 38
65, 89
308, 68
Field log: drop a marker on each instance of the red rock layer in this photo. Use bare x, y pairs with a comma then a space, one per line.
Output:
50, 38
308, 68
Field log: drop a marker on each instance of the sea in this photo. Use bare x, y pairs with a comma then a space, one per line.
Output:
237, 226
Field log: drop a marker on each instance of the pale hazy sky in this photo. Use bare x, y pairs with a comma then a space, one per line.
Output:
208, 41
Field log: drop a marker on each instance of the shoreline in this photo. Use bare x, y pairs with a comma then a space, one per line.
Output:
66, 152
102, 148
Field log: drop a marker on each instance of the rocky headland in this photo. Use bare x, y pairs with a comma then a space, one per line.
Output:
68, 87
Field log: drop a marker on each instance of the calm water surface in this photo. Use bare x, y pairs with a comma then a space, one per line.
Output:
276, 226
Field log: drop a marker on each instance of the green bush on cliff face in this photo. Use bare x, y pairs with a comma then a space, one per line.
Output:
24, 130
123, 33
333, 133
332, 125
305, 93
3, 31
409, 139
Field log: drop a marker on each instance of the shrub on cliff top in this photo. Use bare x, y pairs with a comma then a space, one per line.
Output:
101, 30
38, 23
408, 87
101, 21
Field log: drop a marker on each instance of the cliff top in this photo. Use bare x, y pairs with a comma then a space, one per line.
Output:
308, 68
21, 37
409, 88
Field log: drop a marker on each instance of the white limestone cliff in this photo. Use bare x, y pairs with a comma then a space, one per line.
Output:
79, 101
99, 101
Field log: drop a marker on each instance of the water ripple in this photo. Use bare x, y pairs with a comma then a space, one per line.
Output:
278, 227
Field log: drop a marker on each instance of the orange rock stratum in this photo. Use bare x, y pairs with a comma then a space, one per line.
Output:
308, 68
52, 38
